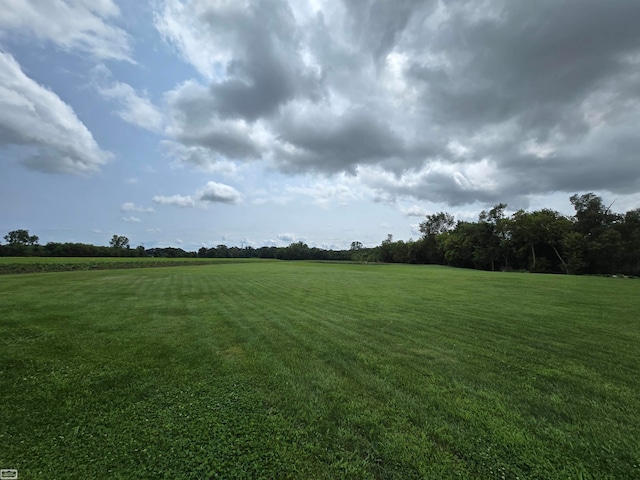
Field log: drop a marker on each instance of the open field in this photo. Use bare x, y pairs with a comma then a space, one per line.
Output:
9, 265
300, 370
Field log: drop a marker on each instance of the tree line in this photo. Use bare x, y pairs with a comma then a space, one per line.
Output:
594, 240
19, 243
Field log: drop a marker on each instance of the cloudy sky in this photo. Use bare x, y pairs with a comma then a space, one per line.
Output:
202, 122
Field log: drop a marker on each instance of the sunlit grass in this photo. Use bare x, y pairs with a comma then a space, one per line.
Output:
300, 370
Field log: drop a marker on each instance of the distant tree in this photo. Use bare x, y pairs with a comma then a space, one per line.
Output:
296, 251
170, 252
119, 241
386, 249
437, 223
20, 243
21, 237
357, 252
356, 246
53, 249
267, 252
400, 252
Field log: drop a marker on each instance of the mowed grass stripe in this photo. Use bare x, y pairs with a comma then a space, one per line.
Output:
332, 317
466, 333
306, 370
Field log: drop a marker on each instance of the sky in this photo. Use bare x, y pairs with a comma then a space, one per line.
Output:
191, 123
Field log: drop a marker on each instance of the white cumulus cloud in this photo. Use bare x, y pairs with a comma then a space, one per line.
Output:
132, 207
212, 192
414, 211
219, 193
47, 131
73, 25
287, 237
184, 201
136, 109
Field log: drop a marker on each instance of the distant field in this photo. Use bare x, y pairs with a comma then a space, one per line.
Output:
308, 370
10, 260
10, 265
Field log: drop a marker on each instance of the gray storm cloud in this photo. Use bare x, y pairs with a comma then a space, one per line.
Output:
457, 102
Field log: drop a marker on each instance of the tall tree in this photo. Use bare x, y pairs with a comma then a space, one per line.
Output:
544, 230
297, 251
356, 246
629, 229
386, 249
435, 225
119, 241
458, 246
592, 216
493, 236
524, 233
21, 237
594, 221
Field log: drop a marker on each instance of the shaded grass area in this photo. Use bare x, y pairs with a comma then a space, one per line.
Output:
11, 265
300, 370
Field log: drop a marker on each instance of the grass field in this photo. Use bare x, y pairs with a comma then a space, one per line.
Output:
298, 370
63, 260
10, 265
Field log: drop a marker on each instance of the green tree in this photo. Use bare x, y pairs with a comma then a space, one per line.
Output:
525, 235
435, 225
297, 251
20, 243
494, 236
356, 246
400, 252
592, 216
458, 245
629, 229
542, 231
119, 241
386, 249
21, 237
575, 247
597, 225
357, 252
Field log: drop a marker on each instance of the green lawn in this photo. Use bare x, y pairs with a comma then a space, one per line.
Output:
308, 370
49, 260
9, 265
